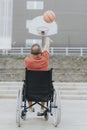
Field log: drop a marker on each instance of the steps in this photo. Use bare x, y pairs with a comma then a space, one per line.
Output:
75, 91
70, 91
9, 89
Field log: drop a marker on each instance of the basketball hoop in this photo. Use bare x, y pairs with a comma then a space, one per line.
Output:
39, 27
42, 31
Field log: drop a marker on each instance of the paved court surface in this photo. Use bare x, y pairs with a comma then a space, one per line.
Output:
74, 117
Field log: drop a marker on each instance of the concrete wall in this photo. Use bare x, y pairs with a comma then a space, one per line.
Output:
71, 20
66, 68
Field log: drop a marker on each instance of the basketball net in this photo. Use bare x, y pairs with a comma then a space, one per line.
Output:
43, 31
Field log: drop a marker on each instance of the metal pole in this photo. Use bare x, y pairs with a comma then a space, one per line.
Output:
43, 41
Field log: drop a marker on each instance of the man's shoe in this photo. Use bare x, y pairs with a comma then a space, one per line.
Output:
41, 113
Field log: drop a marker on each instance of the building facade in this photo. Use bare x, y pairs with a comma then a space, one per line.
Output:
71, 17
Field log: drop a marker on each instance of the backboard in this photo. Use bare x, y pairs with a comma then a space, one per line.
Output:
39, 27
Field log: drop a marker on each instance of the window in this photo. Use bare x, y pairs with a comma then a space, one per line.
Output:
34, 5
27, 23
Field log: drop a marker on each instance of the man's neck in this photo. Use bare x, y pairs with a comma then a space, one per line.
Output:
36, 55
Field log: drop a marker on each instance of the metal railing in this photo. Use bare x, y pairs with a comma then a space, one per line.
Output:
67, 51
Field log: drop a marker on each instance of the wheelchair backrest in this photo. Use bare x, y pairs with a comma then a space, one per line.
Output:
38, 81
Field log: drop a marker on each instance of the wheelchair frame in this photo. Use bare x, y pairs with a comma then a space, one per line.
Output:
52, 99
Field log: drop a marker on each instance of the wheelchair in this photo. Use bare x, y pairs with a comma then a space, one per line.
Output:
38, 87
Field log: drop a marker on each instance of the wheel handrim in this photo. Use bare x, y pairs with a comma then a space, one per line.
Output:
56, 109
19, 104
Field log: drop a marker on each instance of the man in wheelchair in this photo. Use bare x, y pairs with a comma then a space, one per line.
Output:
38, 86
38, 60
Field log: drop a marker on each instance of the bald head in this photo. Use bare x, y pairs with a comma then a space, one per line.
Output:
35, 49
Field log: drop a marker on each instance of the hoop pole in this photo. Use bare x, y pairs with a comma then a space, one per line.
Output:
43, 41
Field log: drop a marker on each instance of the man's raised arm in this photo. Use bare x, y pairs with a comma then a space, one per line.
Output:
47, 42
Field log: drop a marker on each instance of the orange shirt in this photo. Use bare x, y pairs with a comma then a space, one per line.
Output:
37, 63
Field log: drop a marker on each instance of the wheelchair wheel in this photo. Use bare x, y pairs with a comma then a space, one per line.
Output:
46, 116
23, 115
18, 107
56, 108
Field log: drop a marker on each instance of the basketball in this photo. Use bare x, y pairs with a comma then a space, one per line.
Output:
49, 16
